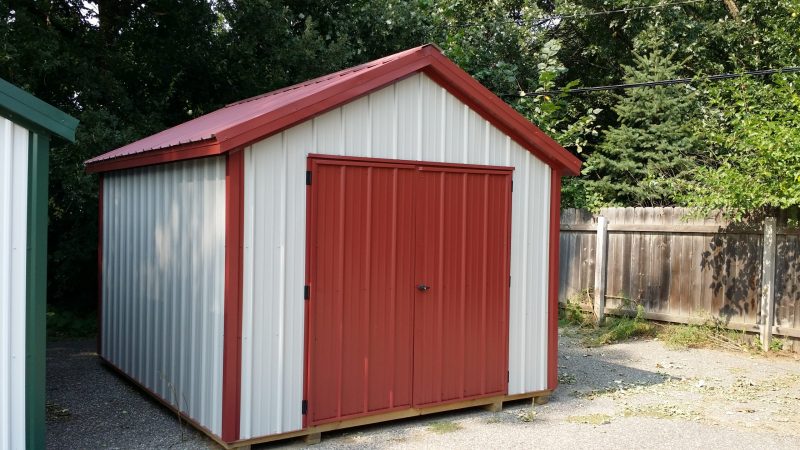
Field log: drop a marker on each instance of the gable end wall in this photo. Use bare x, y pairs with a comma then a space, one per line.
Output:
412, 119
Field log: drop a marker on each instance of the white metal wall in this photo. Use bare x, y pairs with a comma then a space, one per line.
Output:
413, 119
13, 249
163, 281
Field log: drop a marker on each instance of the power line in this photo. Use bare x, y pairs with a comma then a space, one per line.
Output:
614, 87
549, 18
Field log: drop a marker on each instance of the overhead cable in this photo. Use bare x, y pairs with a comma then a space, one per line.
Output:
614, 87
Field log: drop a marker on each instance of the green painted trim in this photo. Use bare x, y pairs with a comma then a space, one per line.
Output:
36, 289
25, 109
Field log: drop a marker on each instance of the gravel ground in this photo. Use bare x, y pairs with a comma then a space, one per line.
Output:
637, 394
91, 407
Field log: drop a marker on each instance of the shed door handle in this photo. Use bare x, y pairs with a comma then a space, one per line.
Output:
423, 288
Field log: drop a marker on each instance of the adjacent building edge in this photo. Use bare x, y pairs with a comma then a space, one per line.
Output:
36, 288
100, 265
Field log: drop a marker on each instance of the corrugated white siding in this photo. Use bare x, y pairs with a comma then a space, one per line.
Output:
13, 249
412, 119
163, 281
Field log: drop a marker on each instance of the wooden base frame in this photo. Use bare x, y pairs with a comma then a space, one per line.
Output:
313, 435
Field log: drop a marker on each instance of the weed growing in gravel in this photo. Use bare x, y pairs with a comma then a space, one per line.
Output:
55, 411
662, 411
590, 419
566, 378
444, 427
527, 415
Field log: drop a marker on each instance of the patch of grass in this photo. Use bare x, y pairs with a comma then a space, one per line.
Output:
590, 419
686, 336
65, 323
708, 334
444, 427
617, 329
776, 345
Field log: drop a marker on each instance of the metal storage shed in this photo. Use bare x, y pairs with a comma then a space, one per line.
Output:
339, 252
26, 124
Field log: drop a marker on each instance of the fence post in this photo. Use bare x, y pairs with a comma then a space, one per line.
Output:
768, 283
601, 269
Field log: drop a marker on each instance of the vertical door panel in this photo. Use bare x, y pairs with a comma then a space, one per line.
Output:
361, 307
462, 253
381, 233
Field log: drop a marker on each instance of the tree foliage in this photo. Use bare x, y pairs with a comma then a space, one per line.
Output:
655, 143
129, 68
754, 130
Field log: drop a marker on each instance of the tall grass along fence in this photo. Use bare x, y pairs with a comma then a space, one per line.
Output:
742, 277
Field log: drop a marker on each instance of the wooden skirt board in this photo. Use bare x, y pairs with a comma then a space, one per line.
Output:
408, 274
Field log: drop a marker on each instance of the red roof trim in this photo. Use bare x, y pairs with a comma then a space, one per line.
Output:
355, 83
191, 150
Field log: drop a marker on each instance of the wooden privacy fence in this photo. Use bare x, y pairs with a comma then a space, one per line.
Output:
684, 271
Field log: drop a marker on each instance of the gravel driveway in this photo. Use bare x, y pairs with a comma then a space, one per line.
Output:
636, 394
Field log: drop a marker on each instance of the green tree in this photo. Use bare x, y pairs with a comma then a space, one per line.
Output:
654, 144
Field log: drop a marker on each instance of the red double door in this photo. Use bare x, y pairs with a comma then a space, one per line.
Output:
408, 268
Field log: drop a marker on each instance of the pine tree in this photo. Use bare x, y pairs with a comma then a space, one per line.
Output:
642, 160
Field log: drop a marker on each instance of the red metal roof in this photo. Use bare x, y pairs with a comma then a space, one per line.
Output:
253, 119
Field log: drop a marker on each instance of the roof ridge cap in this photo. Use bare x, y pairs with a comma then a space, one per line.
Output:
330, 76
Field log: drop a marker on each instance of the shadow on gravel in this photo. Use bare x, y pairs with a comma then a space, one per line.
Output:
583, 371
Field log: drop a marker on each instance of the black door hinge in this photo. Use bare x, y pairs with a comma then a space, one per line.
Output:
306, 292
308, 178
508, 376
304, 407
512, 185
509, 281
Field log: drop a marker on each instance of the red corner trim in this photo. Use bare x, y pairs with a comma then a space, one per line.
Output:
100, 266
552, 282
232, 345
170, 154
